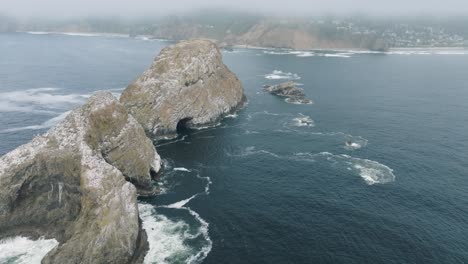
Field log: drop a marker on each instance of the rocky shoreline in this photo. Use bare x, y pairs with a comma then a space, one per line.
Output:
79, 182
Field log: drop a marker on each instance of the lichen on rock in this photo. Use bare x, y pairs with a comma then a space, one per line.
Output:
187, 84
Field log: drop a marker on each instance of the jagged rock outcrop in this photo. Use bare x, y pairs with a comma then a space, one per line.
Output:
294, 94
187, 85
70, 184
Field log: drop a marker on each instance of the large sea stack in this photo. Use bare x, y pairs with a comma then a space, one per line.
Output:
70, 184
79, 182
187, 86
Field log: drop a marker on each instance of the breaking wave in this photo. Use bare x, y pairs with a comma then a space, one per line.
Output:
279, 75
171, 240
176, 240
22, 250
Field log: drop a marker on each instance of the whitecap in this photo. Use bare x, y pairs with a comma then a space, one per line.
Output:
279, 75
22, 250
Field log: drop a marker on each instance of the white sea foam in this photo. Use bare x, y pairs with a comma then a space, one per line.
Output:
354, 142
315, 53
36, 32
173, 139
351, 142
208, 126
337, 55
372, 172
205, 250
76, 34
251, 150
428, 51
47, 100
306, 54
22, 250
47, 124
166, 237
41, 100
231, 116
303, 121
182, 203
181, 169
352, 145
272, 52
278, 75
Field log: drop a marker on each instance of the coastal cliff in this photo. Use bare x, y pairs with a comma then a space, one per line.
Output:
187, 86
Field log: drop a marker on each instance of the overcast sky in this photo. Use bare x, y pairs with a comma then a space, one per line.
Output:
66, 8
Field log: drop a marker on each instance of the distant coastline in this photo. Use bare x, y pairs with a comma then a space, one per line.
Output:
242, 46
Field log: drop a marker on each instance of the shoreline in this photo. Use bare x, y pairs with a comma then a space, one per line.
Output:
242, 46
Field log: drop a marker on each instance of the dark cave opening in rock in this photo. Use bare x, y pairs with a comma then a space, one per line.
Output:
182, 125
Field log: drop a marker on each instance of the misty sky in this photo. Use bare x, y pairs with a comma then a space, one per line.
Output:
66, 8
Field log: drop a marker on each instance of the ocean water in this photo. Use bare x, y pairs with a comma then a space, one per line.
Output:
374, 171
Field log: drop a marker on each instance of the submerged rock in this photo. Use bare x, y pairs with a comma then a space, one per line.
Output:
187, 86
70, 184
290, 90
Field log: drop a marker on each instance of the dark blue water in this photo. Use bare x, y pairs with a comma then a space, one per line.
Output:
271, 189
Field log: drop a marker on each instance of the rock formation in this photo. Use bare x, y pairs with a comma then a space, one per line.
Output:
78, 182
70, 184
290, 90
187, 85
